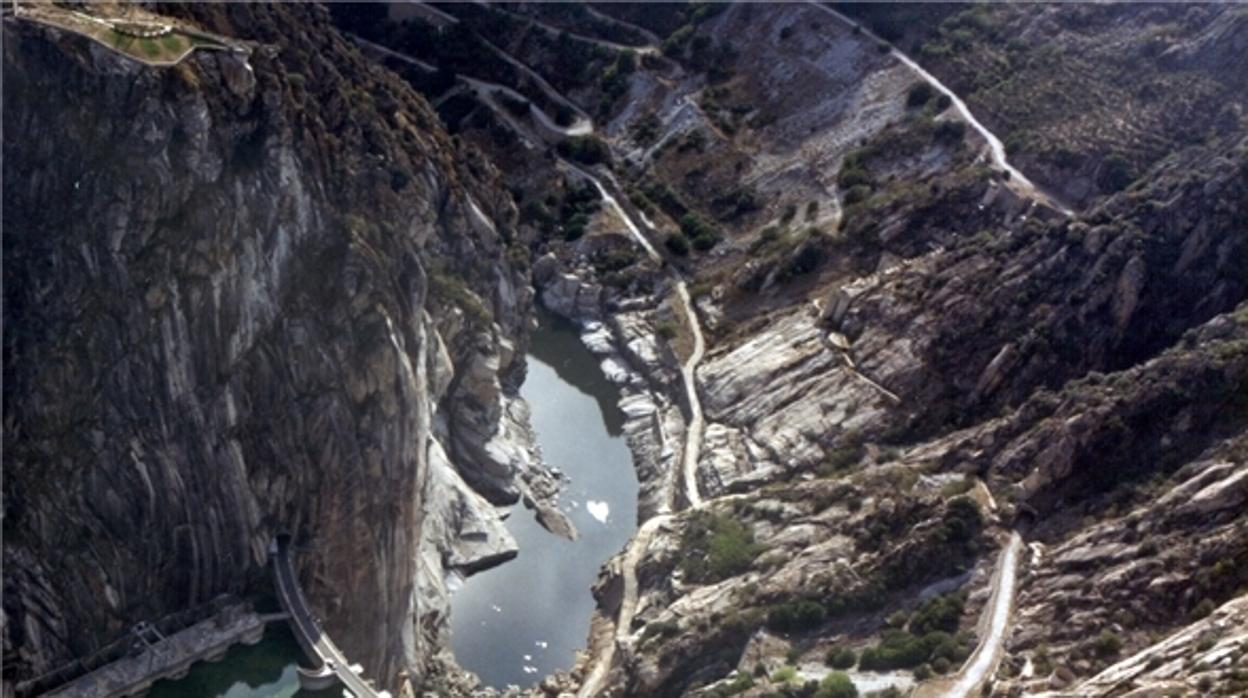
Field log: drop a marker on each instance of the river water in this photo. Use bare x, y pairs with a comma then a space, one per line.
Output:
522, 620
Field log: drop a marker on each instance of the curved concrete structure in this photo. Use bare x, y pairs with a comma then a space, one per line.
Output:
333, 666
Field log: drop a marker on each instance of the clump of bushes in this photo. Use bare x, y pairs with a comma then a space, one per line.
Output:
961, 522
785, 674
899, 649
919, 95
715, 547
1115, 174
796, 616
841, 658
699, 230
853, 172
941, 613
740, 684
1107, 645
950, 131
836, 685
661, 630
856, 194
580, 201
678, 244
451, 289
839, 459
588, 150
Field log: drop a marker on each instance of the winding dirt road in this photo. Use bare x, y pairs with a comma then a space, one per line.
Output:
995, 147
556, 32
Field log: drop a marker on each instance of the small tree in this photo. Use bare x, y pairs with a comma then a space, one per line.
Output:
678, 244
837, 685
1107, 644
919, 94
841, 658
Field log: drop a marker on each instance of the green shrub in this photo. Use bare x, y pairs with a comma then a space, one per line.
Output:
588, 150
950, 131
841, 658
939, 613
902, 650
451, 289
857, 193
661, 629
715, 547
785, 674
853, 174
957, 487
796, 616
1107, 644
919, 94
941, 665
839, 459
739, 684
836, 685
1115, 174
1202, 609
962, 520
697, 229
678, 244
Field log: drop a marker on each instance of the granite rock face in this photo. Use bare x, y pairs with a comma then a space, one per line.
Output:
239, 295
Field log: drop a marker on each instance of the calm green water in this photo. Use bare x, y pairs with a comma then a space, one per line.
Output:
522, 620
263, 670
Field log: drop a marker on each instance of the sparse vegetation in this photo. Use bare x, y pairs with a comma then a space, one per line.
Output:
678, 244
796, 616
715, 547
899, 649
919, 94
836, 685
740, 683
589, 150
1107, 645
784, 675
697, 229
841, 658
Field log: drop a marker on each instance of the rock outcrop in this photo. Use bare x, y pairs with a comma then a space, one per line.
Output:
244, 296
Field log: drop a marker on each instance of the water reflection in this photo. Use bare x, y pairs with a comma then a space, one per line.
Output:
527, 618
264, 670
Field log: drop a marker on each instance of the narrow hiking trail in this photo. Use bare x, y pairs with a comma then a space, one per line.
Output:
550, 30
995, 146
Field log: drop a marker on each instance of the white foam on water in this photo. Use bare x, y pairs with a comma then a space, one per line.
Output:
598, 510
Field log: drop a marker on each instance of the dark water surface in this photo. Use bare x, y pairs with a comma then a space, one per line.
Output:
518, 622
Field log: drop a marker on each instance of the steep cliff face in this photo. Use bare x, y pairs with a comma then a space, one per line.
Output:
236, 292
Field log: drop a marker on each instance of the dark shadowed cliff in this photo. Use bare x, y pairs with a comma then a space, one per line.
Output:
234, 297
